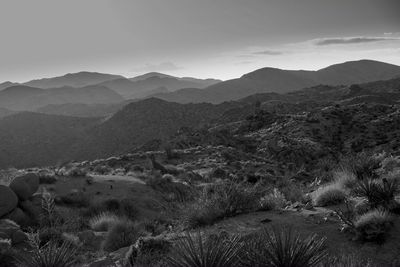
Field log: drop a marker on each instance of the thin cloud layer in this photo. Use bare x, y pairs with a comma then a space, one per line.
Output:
352, 40
269, 53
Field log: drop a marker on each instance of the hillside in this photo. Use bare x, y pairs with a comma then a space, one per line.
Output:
25, 98
282, 81
32, 139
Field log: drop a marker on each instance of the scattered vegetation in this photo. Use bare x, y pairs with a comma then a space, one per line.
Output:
121, 234
329, 195
195, 250
373, 225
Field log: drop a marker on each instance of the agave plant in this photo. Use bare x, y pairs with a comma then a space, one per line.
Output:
50, 255
200, 252
283, 248
378, 193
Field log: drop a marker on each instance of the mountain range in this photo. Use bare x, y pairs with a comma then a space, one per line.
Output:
282, 81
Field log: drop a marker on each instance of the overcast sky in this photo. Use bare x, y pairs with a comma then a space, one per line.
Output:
201, 38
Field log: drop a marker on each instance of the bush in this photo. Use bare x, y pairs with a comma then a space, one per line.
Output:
47, 178
378, 193
363, 165
346, 261
75, 199
104, 221
102, 169
49, 255
122, 208
273, 201
222, 200
76, 172
329, 195
373, 225
345, 178
121, 234
283, 248
196, 251
172, 191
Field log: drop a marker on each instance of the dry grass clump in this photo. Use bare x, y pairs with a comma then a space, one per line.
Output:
273, 201
122, 234
222, 200
373, 225
328, 195
283, 248
104, 221
195, 250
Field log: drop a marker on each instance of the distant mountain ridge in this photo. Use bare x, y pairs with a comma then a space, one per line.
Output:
26, 98
282, 81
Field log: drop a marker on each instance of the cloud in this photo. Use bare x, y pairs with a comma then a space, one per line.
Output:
164, 66
269, 53
351, 40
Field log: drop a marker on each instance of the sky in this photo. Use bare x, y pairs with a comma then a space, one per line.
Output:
200, 38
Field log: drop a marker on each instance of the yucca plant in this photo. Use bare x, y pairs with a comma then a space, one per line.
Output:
196, 251
283, 248
378, 193
50, 255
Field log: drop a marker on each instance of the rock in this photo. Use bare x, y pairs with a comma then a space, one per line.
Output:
25, 186
11, 230
19, 216
8, 200
32, 209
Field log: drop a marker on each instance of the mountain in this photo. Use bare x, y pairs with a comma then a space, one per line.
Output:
6, 85
5, 112
282, 81
25, 98
143, 121
82, 110
32, 139
152, 83
79, 79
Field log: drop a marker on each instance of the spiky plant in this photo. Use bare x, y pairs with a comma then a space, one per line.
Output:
50, 255
283, 248
378, 193
104, 221
196, 251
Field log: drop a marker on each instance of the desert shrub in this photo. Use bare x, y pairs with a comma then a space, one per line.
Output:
49, 255
273, 201
102, 169
283, 248
48, 234
363, 165
76, 172
345, 178
378, 193
222, 200
198, 251
47, 178
373, 225
172, 191
121, 234
122, 208
329, 195
104, 221
75, 199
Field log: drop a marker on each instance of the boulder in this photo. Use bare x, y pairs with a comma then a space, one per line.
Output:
10, 230
19, 216
8, 200
32, 209
25, 186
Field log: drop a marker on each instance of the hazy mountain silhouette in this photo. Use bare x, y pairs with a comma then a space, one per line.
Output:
6, 85
152, 83
281, 81
79, 79
23, 97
